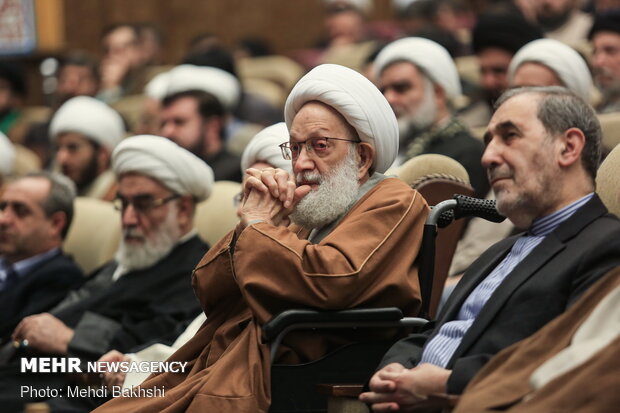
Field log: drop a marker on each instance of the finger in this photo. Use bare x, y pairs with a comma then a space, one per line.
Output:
254, 183
300, 192
290, 194
21, 328
382, 386
282, 179
269, 179
385, 407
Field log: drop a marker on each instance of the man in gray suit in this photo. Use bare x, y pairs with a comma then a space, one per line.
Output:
542, 153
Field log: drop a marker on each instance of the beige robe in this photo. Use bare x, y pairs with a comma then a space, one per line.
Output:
504, 383
367, 260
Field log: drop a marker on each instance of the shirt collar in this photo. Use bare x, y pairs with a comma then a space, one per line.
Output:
544, 225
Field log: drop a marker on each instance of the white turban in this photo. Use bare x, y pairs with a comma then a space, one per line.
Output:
264, 148
221, 84
163, 160
91, 118
567, 64
7, 156
357, 100
430, 57
158, 86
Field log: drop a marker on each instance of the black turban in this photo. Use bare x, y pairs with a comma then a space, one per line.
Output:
505, 31
606, 22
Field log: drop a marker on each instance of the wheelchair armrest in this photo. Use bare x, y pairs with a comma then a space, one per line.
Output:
299, 319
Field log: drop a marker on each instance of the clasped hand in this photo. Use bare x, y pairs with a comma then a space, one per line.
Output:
269, 195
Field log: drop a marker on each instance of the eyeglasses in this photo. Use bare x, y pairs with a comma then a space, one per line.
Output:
321, 147
142, 203
20, 209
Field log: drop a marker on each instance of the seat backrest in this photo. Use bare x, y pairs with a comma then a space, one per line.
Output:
94, 234
26, 161
610, 124
608, 181
216, 216
437, 178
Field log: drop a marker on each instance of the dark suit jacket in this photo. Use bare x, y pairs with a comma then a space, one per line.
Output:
38, 291
139, 307
542, 286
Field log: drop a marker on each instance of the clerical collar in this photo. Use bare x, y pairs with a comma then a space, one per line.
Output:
544, 225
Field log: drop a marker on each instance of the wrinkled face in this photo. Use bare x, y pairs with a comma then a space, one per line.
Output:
404, 87
76, 80
77, 158
140, 224
182, 124
316, 120
494, 63
521, 161
535, 74
24, 227
606, 60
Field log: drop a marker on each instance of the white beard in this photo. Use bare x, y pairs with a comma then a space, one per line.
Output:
155, 247
336, 193
424, 116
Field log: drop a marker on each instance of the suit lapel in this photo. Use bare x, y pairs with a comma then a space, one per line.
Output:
551, 245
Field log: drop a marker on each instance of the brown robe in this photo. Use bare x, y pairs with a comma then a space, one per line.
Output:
367, 260
591, 387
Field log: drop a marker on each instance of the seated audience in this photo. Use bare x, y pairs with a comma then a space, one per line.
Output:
85, 131
543, 147
605, 38
35, 215
349, 222
145, 293
12, 94
420, 81
562, 20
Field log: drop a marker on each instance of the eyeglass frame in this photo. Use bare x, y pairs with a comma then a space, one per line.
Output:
285, 147
156, 203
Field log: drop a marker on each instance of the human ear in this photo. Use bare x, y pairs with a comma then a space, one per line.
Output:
366, 154
572, 143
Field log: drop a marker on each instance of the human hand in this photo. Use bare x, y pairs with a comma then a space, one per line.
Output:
395, 388
111, 379
275, 181
113, 71
44, 333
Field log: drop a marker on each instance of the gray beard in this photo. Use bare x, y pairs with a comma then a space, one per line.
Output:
336, 193
157, 246
422, 119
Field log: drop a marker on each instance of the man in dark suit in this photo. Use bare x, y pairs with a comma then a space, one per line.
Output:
145, 293
542, 153
36, 213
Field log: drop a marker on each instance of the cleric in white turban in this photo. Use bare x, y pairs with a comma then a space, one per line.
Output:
263, 148
337, 121
357, 100
430, 57
221, 84
558, 60
163, 160
89, 117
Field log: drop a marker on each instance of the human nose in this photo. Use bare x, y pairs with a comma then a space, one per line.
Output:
129, 216
491, 156
62, 155
167, 130
304, 161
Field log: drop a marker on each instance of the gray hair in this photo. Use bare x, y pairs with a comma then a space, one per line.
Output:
60, 197
559, 109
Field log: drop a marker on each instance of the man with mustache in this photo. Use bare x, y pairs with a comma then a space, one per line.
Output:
420, 81
145, 293
84, 132
354, 241
542, 152
605, 38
